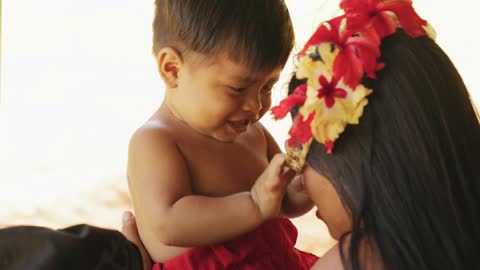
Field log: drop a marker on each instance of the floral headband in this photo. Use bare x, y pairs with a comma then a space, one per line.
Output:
333, 62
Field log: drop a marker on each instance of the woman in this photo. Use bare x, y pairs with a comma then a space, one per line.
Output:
400, 189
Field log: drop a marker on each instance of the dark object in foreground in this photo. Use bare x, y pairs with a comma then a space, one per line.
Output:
78, 247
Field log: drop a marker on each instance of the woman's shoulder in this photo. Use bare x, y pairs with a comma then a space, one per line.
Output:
331, 260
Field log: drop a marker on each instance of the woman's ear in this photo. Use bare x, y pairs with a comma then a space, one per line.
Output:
169, 64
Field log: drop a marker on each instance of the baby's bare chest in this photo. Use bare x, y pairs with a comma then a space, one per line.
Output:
220, 170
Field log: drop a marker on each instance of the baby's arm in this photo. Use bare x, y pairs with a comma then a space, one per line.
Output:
167, 211
296, 201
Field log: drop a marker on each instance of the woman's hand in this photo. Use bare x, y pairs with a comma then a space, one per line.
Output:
130, 231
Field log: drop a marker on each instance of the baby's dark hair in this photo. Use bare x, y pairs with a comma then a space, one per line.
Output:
257, 33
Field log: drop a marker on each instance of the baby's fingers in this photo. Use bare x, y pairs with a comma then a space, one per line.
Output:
280, 174
281, 169
287, 173
276, 164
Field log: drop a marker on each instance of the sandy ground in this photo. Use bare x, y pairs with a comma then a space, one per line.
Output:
77, 79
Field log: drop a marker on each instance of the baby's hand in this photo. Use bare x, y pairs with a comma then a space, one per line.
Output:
269, 189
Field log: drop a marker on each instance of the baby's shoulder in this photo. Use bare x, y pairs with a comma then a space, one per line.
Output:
153, 135
261, 132
256, 132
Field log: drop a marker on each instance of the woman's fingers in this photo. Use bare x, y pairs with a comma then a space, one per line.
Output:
129, 227
130, 231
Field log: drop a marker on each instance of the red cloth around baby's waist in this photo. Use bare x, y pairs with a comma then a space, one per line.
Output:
270, 246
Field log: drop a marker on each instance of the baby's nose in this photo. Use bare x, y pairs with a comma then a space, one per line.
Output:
253, 103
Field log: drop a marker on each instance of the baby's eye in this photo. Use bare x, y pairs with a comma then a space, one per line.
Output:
267, 89
238, 89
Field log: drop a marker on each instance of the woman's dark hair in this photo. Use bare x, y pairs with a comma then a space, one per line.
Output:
409, 172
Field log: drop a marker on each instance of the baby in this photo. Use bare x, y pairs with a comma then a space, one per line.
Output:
206, 178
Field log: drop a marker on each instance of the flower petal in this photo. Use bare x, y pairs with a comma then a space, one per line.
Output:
301, 131
339, 93
384, 24
409, 20
329, 101
329, 146
297, 98
332, 31
307, 67
323, 81
349, 66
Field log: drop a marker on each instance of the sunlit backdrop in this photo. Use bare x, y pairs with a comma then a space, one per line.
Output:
77, 78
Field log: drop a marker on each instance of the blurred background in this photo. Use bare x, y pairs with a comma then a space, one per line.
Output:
77, 78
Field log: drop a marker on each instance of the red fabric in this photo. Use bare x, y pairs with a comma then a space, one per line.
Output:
269, 247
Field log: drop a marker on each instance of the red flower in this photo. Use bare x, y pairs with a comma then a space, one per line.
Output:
298, 97
375, 13
325, 33
329, 146
329, 91
358, 52
367, 45
301, 131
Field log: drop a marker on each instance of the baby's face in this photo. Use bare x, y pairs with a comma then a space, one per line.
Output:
329, 206
221, 98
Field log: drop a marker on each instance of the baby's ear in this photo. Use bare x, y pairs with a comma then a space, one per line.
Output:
169, 63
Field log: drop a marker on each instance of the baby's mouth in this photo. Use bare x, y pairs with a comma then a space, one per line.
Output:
239, 126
